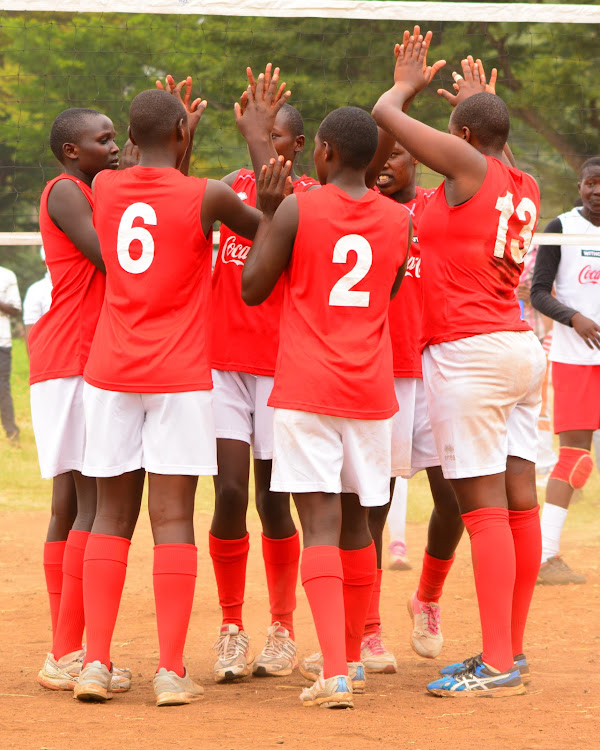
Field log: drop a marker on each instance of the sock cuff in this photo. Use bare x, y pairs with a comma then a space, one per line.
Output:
484, 518
107, 547
523, 517
228, 550
359, 565
434, 563
179, 559
53, 552
553, 512
77, 539
74, 556
281, 551
322, 561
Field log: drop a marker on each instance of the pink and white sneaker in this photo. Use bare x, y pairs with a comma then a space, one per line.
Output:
426, 638
398, 557
375, 657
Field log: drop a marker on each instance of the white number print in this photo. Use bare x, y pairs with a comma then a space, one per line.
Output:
507, 208
128, 233
342, 294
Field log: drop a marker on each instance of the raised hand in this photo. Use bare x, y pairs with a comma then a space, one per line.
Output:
130, 155
195, 110
274, 184
260, 103
472, 81
412, 73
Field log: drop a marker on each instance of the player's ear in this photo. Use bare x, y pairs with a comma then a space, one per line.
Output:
70, 151
181, 129
299, 144
465, 133
130, 136
415, 162
328, 151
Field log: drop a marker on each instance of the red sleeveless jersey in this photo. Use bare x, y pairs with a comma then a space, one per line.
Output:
335, 352
59, 343
406, 309
153, 328
244, 339
472, 256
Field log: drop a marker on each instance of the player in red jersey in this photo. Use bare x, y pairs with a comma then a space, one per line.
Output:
83, 142
344, 252
147, 394
473, 236
244, 351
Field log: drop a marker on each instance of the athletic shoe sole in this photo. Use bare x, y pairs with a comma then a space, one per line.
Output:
310, 676
337, 700
229, 675
56, 683
176, 699
260, 671
387, 669
499, 692
92, 694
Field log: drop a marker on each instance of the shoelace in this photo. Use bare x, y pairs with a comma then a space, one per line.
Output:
374, 644
273, 647
469, 665
431, 618
227, 646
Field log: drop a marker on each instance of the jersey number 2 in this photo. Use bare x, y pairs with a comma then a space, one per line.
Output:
342, 294
128, 233
507, 208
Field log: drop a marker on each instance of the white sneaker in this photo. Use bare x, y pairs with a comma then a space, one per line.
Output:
375, 656
334, 692
312, 669
172, 690
278, 657
233, 654
426, 638
94, 683
62, 674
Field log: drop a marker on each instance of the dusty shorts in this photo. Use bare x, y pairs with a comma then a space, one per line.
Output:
413, 446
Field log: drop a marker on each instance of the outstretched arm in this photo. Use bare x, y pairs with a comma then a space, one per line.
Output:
447, 154
195, 110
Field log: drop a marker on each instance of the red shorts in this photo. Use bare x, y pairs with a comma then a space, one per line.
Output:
576, 397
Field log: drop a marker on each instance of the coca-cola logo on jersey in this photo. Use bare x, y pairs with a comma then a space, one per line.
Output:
589, 275
413, 267
234, 252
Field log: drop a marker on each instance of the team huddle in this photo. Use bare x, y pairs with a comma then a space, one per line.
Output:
354, 329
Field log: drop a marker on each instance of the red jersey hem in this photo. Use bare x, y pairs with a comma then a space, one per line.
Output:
409, 374
469, 334
248, 369
55, 375
137, 388
328, 411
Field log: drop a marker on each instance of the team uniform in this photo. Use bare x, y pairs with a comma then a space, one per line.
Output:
59, 345
148, 385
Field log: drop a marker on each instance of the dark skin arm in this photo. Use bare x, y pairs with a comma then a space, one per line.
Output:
9, 310
222, 204
463, 166
194, 110
71, 212
402, 269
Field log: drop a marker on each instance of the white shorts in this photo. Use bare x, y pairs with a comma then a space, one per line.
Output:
484, 398
320, 453
58, 425
241, 411
413, 446
164, 433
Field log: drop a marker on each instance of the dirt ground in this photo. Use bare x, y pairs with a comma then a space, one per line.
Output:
561, 709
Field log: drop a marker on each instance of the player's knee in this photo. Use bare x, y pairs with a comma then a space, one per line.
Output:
574, 466
232, 497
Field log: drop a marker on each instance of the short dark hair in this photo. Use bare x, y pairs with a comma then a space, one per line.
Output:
67, 128
594, 161
153, 116
486, 116
293, 120
353, 133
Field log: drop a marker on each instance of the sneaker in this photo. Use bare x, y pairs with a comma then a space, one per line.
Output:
172, 690
312, 668
556, 572
478, 681
426, 638
459, 666
375, 656
398, 556
335, 692
233, 651
94, 683
62, 674
278, 657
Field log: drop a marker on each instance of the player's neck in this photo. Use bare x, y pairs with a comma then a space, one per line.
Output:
406, 194
591, 216
351, 181
74, 171
159, 158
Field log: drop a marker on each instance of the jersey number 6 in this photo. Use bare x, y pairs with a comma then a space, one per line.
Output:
128, 233
507, 208
342, 294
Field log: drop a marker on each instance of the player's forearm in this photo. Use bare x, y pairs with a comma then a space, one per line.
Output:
257, 276
261, 150
11, 310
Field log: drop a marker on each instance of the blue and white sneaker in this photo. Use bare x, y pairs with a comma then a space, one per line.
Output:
312, 668
460, 666
334, 692
476, 681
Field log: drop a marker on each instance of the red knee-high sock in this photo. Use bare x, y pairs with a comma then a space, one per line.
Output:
104, 569
493, 553
71, 621
229, 558
175, 568
53, 557
373, 621
323, 580
282, 557
527, 538
433, 575
360, 572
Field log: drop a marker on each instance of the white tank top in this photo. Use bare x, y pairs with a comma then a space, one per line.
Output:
577, 285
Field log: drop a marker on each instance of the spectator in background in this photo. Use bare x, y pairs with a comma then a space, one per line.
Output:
10, 307
37, 301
